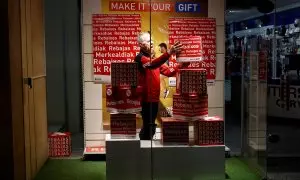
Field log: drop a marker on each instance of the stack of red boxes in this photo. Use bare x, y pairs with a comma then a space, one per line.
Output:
123, 95
123, 98
191, 100
59, 144
190, 109
190, 103
209, 131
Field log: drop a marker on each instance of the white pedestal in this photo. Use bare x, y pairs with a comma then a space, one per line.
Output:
135, 160
121, 158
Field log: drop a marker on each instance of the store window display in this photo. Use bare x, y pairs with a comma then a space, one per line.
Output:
143, 113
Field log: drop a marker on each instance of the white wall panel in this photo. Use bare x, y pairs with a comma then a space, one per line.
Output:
216, 95
220, 67
87, 39
93, 119
88, 67
216, 9
95, 137
90, 7
220, 39
93, 96
216, 112
90, 143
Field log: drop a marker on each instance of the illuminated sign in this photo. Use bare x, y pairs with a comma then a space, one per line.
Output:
187, 7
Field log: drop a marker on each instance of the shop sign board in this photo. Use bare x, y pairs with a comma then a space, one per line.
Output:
158, 6
276, 108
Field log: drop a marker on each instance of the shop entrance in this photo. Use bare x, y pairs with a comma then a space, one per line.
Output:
267, 45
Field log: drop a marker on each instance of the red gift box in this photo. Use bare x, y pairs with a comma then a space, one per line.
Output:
59, 144
209, 131
191, 81
124, 74
123, 99
123, 124
189, 106
175, 131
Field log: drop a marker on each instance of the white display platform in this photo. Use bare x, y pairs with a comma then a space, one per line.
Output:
132, 159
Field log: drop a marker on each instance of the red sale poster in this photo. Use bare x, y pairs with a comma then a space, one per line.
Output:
262, 66
114, 40
184, 27
191, 50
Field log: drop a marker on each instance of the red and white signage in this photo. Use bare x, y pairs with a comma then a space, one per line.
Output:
123, 124
141, 6
262, 66
95, 150
175, 131
183, 27
191, 50
114, 40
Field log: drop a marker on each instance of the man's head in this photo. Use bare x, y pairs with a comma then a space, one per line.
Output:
145, 43
163, 47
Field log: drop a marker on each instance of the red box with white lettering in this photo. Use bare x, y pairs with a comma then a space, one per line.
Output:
124, 74
123, 124
175, 131
189, 107
209, 131
191, 81
59, 144
123, 99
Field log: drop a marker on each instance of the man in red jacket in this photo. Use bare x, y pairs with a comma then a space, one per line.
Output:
149, 78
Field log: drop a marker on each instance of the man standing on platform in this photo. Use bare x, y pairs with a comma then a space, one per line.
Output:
149, 78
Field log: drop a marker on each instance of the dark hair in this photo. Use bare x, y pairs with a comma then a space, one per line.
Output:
163, 45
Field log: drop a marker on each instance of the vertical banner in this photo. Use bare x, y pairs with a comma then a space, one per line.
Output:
114, 40
262, 66
181, 28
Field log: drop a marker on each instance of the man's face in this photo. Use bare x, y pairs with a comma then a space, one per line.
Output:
162, 49
146, 45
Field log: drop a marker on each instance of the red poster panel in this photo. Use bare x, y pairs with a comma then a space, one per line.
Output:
183, 27
262, 66
114, 40
192, 49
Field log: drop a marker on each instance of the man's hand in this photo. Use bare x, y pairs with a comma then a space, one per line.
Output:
176, 48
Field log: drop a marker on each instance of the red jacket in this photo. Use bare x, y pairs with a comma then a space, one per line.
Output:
149, 74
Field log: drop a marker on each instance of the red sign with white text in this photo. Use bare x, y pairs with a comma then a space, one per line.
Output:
114, 40
191, 50
141, 6
183, 27
262, 65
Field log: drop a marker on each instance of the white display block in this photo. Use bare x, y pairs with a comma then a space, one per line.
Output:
122, 158
131, 159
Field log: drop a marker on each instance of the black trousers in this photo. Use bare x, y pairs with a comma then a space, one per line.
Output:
149, 114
